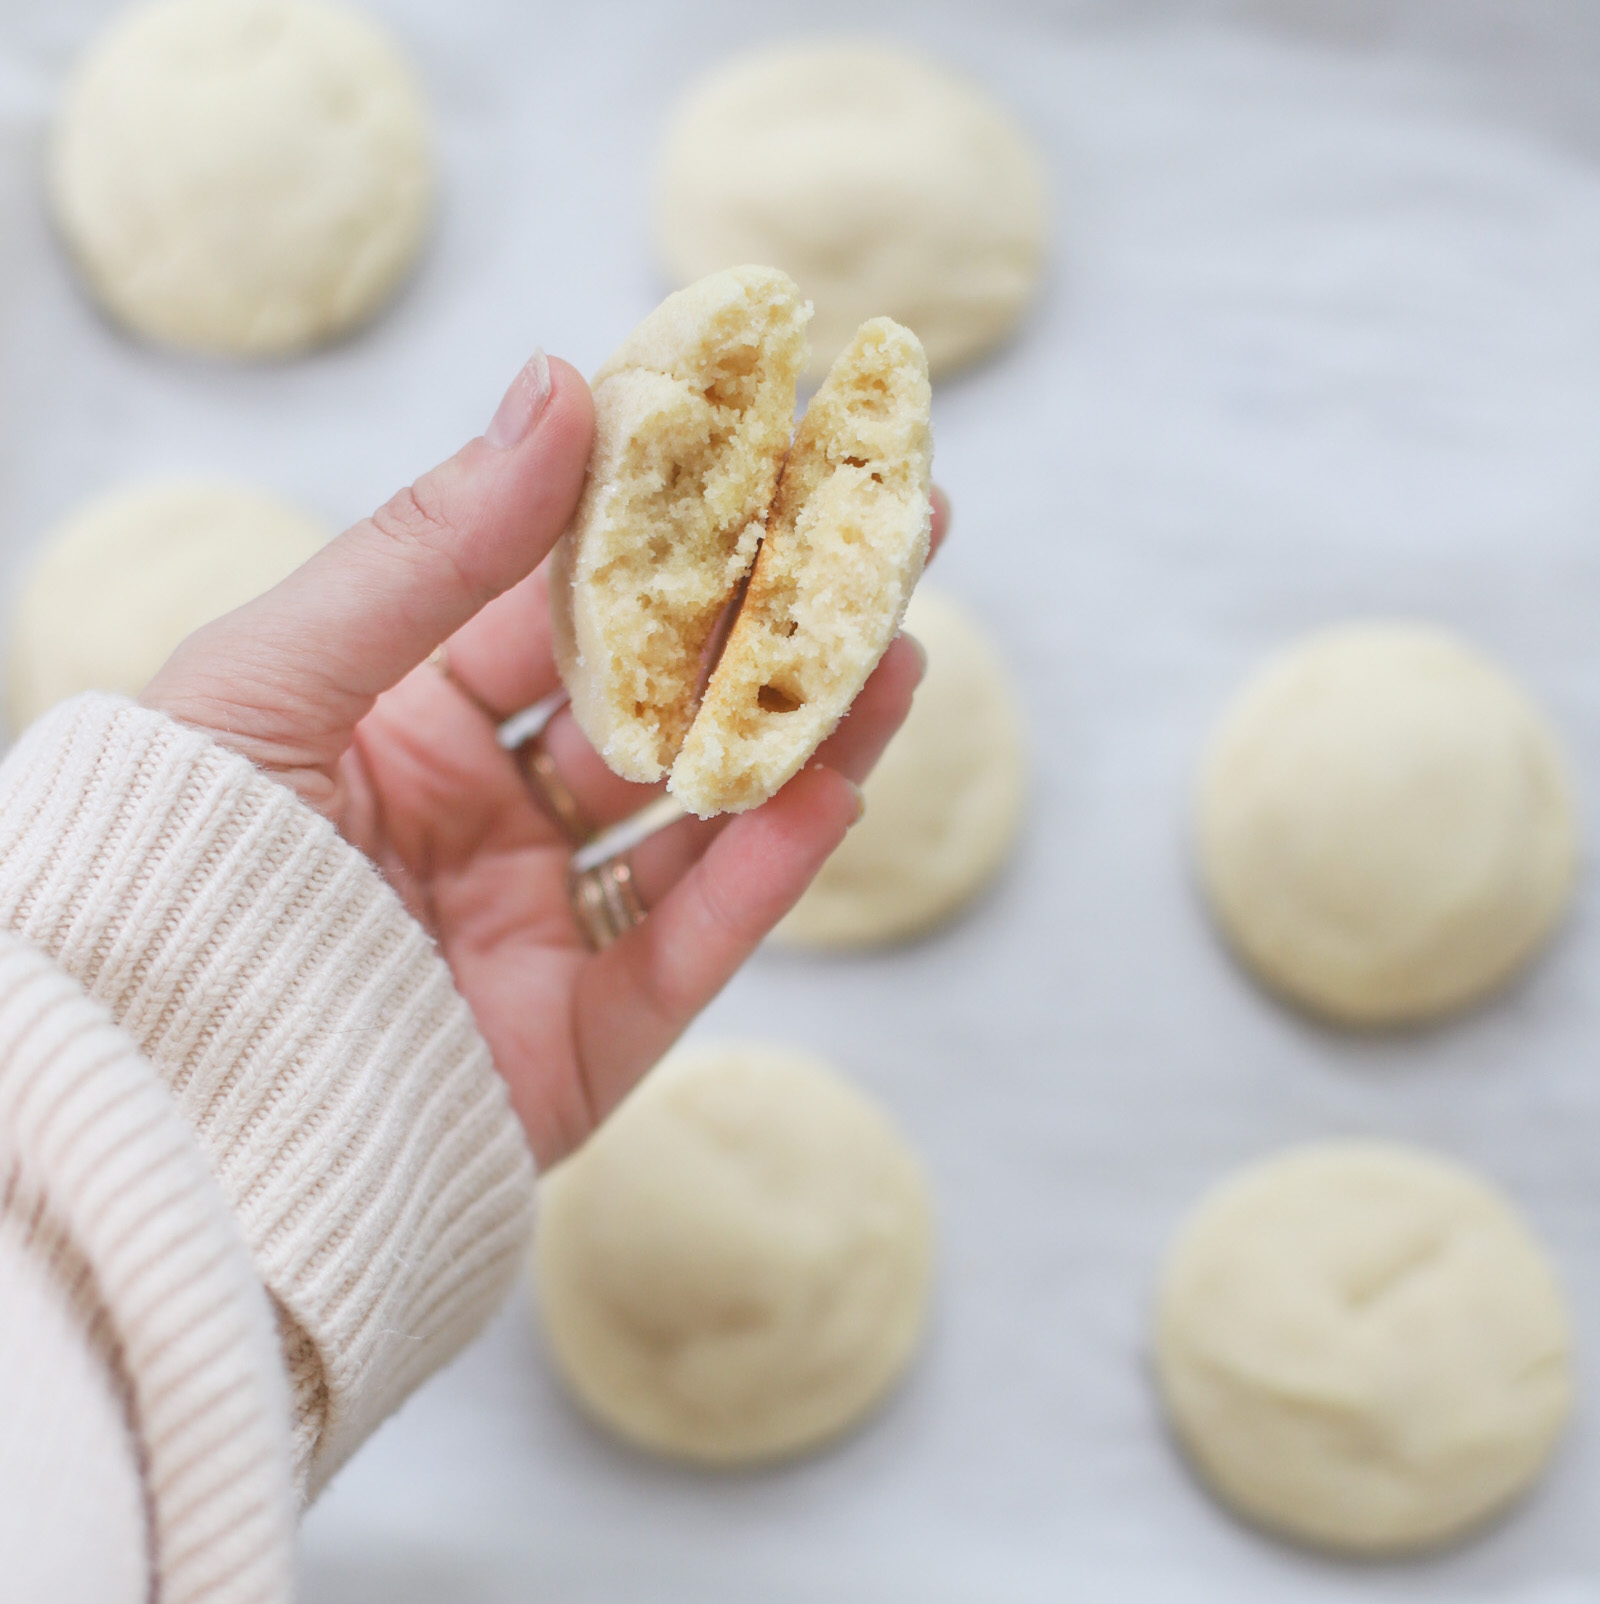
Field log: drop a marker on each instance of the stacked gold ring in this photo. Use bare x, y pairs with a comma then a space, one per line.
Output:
604, 898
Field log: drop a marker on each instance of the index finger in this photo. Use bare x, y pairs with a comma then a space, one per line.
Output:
361, 614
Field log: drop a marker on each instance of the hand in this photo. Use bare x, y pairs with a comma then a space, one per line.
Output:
323, 683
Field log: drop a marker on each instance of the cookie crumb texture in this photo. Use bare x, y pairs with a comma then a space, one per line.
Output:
253, 178
844, 547
692, 418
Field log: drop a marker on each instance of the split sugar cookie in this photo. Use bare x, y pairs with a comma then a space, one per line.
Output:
736, 1267
120, 584
943, 805
1361, 1346
1385, 827
883, 183
251, 178
693, 485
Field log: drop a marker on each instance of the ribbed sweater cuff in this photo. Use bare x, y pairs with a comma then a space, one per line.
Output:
103, 1183
306, 1028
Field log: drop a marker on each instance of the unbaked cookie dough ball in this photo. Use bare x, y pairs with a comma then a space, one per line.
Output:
943, 805
251, 178
1385, 827
119, 585
736, 1267
882, 183
1361, 1346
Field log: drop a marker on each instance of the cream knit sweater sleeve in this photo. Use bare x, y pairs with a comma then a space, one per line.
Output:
144, 1421
303, 1026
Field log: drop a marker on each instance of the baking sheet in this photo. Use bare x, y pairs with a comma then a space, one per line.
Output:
1322, 338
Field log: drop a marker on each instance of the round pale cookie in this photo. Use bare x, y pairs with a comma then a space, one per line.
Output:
1385, 827
736, 1267
1361, 1346
119, 585
882, 183
252, 178
943, 805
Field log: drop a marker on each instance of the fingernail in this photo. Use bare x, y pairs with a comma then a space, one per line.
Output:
920, 650
521, 405
861, 801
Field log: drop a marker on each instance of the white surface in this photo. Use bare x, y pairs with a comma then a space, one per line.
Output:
1323, 338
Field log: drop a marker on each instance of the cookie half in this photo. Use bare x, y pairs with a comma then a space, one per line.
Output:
844, 547
692, 418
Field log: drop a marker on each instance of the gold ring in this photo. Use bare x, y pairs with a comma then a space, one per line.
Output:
541, 776
606, 902
604, 899
524, 747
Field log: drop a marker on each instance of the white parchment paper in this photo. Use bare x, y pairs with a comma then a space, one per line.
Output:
1321, 338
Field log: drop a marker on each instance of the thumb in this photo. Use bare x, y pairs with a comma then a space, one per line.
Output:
290, 675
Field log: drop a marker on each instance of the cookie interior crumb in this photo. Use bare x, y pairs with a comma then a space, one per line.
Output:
845, 544
692, 417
